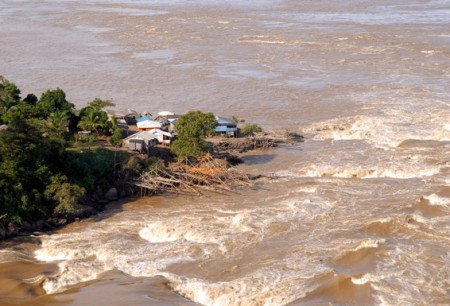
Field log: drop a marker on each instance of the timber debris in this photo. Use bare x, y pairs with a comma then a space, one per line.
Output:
212, 171
207, 174
256, 141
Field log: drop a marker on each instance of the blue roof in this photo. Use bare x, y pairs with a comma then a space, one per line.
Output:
143, 118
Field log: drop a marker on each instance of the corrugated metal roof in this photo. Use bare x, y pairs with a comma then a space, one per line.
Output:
148, 124
158, 131
222, 120
141, 135
143, 118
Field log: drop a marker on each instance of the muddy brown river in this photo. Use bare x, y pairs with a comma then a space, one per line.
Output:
359, 214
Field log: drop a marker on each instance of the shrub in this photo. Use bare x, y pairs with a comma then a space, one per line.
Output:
65, 195
251, 128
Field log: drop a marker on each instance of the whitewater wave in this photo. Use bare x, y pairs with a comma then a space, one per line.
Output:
392, 170
437, 200
186, 237
386, 132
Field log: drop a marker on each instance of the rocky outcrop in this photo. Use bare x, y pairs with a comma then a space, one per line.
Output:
2, 232
112, 194
12, 230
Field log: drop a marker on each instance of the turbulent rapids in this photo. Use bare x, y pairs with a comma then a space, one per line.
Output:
357, 214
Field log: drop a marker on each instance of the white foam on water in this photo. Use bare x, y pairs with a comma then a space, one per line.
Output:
367, 278
191, 236
35, 279
265, 287
387, 131
161, 232
434, 199
406, 279
52, 255
197, 229
398, 171
71, 273
370, 243
308, 189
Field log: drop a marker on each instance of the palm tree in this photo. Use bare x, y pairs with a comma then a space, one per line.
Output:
91, 121
59, 120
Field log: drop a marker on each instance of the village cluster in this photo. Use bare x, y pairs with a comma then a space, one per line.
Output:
147, 130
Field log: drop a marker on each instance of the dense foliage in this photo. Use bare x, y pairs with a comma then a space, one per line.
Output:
192, 128
250, 129
39, 175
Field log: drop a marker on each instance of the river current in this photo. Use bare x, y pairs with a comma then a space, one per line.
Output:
358, 214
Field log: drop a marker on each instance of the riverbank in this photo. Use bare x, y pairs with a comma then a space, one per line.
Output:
209, 174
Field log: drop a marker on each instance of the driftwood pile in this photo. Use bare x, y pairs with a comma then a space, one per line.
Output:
207, 173
211, 172
256, 141
244, 144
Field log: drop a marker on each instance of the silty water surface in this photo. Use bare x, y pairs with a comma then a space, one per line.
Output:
358, 214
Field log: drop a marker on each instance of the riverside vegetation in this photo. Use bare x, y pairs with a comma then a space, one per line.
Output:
49, 176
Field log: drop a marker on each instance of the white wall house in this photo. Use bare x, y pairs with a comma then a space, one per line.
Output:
162, 136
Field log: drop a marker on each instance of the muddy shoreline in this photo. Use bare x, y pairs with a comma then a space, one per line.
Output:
226, 150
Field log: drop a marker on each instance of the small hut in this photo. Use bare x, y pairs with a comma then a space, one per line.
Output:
140, 141
226, 127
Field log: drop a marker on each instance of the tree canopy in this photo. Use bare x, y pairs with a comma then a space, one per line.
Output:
9, 96
192, 128
99, 104
53, 100
39, 176
251, 128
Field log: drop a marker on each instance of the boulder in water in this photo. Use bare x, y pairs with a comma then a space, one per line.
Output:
12, 230
112, 194
2, 232
40, 225
26, 226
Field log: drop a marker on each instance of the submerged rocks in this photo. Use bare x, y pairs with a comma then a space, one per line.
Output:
112, 194
41, 225
26, 226
12, 230
2, 232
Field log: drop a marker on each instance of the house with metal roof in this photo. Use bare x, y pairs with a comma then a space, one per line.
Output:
162, 136
140, 141
146, 123
226, 126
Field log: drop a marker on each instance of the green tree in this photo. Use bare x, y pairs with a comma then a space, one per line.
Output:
59, 121
27, 161
9, 96
111, 126
31, 99
251, 128
193, 127
100, 104
65, 196
53, 100
91, 121
8, 90
90, 169
116, 138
